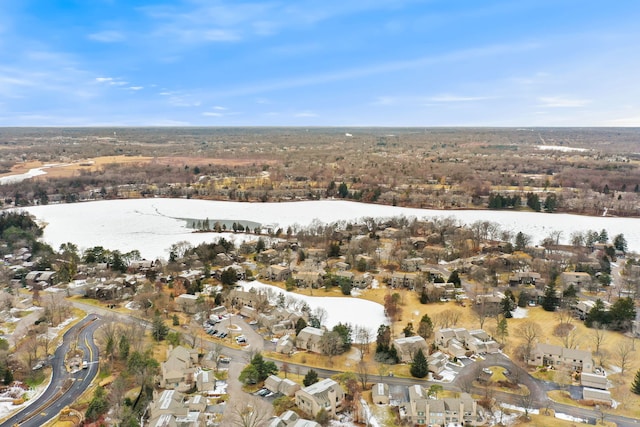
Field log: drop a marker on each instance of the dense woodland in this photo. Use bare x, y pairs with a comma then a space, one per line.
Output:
429, 168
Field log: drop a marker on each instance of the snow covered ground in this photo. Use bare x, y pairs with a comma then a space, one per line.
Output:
153, 225
339, 309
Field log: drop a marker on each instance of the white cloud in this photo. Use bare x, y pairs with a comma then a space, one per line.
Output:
562, 102
111, 81
107, 36
212, 114
135, 88
456, 98
218, 107
305, 114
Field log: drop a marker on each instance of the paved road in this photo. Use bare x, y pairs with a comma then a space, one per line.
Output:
65, 387
539, 400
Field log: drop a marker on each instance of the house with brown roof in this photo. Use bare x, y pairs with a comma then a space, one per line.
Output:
306, 279
277, 273
177, 372
578, 279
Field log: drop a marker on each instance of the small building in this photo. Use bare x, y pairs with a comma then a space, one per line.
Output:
595, 395
437, 362
306, 279
594, 381
408, 347
404, 280
578, 279
285, 345
309, 339
187, 303
279, 385
278, 273
380, 394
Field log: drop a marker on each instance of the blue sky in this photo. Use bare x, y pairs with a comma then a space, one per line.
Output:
320, 63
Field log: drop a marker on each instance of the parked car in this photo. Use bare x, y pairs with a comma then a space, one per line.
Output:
487, 371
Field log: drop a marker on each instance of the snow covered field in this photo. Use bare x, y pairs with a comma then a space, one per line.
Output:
153, 225
357, 312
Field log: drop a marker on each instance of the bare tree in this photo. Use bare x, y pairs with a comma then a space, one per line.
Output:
598, 337
529, 331
249, 413
320, 314
363, 373
447, 318
623, 355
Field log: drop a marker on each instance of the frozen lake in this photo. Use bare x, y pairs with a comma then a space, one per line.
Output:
352, 310
153, 225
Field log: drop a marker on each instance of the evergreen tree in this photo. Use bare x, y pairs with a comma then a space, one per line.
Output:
620, 243
408, 330
159, 330
425, 328
310, 378
550, 301
419, 366
502, 329
454, 278
522, 240
300, 325
635, 385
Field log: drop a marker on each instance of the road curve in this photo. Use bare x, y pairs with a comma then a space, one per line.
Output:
65, 387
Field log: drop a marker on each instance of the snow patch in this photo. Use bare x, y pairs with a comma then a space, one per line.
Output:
520, 313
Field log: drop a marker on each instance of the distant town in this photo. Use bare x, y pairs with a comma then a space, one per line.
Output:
455, 324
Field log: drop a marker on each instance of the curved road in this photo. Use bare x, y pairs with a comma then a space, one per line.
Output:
538, 388
65, 387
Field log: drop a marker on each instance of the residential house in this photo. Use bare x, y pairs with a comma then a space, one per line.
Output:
290, 419
179, 369
316, 254
43, 278
578, 279
458, 341
309, 339
524, 278
305, 279
285, 345
380, 394
413, 264
278, 273
106, 291
424, 411
561, 357
326, 394
447, 340
408, 347
437, 362
267, 256
169, 409
187, 303
404, 280
239, 298
205, 380
283, 386
366, 261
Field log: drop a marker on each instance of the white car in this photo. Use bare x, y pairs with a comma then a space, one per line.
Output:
487, 371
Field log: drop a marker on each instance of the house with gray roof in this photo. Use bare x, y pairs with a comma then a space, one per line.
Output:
561, 357
326, 394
